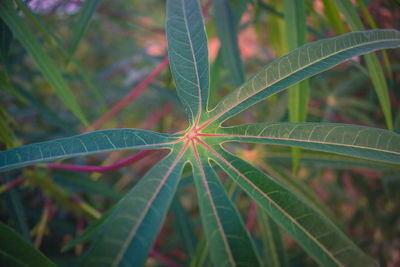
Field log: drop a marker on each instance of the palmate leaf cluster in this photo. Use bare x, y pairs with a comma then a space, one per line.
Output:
127, 234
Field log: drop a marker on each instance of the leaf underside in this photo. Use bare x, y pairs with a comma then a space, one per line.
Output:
128, 233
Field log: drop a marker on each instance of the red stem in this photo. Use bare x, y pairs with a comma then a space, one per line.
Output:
131, 96
10, 185
112, 167
252, 216
164, 259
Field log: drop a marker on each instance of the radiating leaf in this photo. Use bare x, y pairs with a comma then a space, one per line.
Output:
351, 140
373, 65
319, 237
301, 63
44, 61
16, 251
84, 144
228, 240
86, 13
188, 54
226, 24
131, 229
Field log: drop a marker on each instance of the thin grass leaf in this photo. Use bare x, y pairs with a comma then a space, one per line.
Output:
274, 250
90, 232
185, 228
43, 60
296, 35
373, 65
80, 27
226, 25
16, 251
58, 46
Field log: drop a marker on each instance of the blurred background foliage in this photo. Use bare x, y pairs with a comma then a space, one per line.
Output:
121, 44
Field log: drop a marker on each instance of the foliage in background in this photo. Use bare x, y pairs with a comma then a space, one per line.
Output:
239, 220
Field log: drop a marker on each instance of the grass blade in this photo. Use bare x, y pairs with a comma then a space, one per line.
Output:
16, 251
274, 250
43, 60
373, 65
86, 13
227, 33
296, 35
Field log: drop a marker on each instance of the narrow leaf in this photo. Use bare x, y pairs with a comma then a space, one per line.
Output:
296, 33
86, 13
84, 144
274, 250
373, 65
43, 60
298, 65
184, 227
16, 251
188, 54
131, 229
227, 33
357, 141
90, 232
319, 237
228, 240
16, 210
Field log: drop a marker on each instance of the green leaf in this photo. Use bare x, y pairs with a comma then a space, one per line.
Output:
16, 251
351, 140
86, 13
332, 14
59, 48
84, 144
319, 237
16, 210
373, 65
131, 229
184, 227
5, 43
227, 33
44, 61
188, 54
274, 250
296, 34
298, 65
228, 240
90, 232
